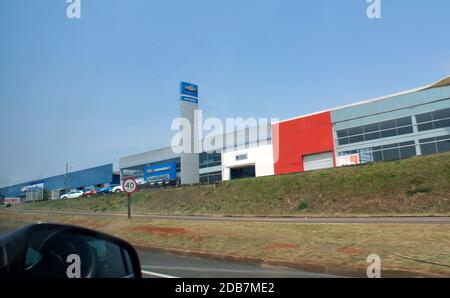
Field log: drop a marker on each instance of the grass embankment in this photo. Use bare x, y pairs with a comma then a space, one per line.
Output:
328, 245
416, 186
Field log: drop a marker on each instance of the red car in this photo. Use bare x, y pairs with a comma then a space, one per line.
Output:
90, 193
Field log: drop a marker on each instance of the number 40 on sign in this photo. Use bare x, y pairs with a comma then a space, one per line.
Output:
129, 186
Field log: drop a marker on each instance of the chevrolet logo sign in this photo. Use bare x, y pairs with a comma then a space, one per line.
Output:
191, 88
150, 171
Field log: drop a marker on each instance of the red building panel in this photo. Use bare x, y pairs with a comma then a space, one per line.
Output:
303, 136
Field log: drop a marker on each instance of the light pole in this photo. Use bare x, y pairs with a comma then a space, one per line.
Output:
66, 177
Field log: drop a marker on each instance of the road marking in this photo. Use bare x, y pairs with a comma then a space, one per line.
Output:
231, 270
158, 274
252, 273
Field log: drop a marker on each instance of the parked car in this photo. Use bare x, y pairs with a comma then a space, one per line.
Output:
159, 183
106, 190
90, 193
117, 189
72, 194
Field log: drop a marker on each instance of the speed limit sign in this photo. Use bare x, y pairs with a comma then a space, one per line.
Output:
129, 185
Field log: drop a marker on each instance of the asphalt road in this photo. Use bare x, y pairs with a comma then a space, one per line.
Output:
158, 265
300, 220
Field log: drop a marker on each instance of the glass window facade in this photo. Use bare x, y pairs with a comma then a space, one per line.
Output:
207, 160
433, 120
135, 172
244, 172
384, 153
435, 145
211, 177
375, 131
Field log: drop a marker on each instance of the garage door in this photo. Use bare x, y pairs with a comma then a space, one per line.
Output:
318, 161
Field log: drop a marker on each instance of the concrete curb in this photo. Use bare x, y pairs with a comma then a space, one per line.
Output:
359, 272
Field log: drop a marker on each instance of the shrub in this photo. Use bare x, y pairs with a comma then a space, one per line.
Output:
303, 205
46, 195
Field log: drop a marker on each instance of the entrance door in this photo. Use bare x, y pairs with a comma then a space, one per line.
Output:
318, 161
243, 172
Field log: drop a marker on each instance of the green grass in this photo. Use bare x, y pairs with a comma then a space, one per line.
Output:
415, 186
332, 245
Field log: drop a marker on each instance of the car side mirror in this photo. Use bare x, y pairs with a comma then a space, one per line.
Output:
46, 250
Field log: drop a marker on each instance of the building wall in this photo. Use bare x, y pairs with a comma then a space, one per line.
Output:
422, 101
296, 138
261, 157
88, 177
318, 133
209, 163
152, 156
405, 106
241, 138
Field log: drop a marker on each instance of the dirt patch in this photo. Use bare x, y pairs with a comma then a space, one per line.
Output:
283, 246
350, 251
162, 231
197, 239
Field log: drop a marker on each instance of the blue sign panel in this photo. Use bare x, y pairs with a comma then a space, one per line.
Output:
189, 99
163, 171
188, 89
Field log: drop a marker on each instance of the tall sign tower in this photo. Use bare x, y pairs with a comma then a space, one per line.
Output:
188, 106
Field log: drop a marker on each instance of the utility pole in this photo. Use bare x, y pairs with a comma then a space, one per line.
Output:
66, 178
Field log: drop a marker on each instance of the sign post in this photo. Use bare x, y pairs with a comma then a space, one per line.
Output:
129, 186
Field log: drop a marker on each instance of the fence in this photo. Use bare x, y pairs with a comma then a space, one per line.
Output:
54, 195
34, 194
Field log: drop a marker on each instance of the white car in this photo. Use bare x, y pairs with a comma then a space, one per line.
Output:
117, 189
72, 195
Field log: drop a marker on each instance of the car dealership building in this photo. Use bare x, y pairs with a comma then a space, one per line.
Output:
77, 180
393, 127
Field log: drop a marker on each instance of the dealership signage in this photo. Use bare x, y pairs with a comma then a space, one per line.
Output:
348, 160
188, 89
189, 92
13, 201
241, 157
189, 99
163, 171
32, 187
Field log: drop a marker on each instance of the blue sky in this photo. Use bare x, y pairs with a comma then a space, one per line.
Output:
91, 90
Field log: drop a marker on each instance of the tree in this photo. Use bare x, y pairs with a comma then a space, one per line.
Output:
46, 195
